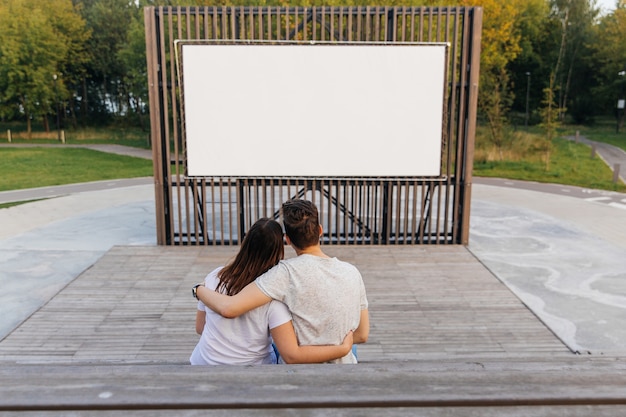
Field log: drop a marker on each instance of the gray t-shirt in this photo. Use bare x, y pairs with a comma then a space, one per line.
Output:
325, 297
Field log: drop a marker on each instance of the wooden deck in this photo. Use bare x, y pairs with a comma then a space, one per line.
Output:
446, 334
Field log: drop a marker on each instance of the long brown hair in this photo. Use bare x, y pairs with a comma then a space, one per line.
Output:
261, 249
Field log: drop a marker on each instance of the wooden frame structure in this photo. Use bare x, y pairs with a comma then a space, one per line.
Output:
218, 211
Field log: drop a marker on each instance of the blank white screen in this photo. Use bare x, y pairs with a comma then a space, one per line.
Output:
313, 110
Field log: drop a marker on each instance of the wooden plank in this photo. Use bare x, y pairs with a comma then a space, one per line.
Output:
426, 384
135, 304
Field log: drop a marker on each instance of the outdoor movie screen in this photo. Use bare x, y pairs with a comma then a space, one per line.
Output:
312, 109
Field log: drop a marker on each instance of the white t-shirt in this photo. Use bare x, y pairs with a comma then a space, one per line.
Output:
244, 340
324, 295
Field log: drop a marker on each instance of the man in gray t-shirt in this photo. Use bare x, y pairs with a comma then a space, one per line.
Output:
326, 296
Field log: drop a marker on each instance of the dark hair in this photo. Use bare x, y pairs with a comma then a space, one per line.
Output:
261, 249
301, 223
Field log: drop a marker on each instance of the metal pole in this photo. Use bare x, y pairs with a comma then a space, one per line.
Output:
620, 102
527, 98
56, 99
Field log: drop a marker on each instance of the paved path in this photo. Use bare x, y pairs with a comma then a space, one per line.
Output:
611, 155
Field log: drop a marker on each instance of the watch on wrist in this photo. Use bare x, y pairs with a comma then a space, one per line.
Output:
194, 290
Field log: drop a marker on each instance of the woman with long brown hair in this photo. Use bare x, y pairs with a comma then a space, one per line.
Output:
247, 339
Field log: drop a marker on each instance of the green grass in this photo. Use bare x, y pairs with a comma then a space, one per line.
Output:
603, 130
130, 136
39, 167
570, 163
521, 158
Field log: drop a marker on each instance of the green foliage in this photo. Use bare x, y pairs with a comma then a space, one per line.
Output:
549, 119
38, 167
571, 164
39, 39
132, 56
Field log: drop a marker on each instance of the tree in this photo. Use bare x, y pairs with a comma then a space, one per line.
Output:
132, 56
526, 70
36, 45
549, 117
500, 46
609, 57
109, 22
575, 20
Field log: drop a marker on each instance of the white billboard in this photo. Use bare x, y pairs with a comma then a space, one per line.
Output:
313, 110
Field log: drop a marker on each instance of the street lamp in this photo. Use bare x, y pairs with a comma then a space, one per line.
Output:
56, 99
527, 98
620, 102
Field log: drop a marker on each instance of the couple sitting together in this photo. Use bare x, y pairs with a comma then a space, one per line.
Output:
311, 307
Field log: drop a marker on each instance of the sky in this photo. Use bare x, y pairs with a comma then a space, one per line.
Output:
606, 5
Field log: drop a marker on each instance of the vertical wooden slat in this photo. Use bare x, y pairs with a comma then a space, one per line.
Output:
281, 196
461, 126
223, 23
160, 176
468, 150
260, 22
398, 211
414, 239
389, 207
178, 30
196, 211
359, 24
422, 222
178, 226
241, 23
403, 25
279, 19
313, 21
453, 75
430, 211
336, 208
270, 204
258, 200
227, 215
287, 25
326, 27
386, 27
328, 227
188, 25
213, 205
405, 209
205, 22
232, 15
269, 24
341, 25
412, 38
214, 26
363, 212
368, 26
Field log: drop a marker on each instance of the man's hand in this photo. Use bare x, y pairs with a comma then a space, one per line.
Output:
233, 306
